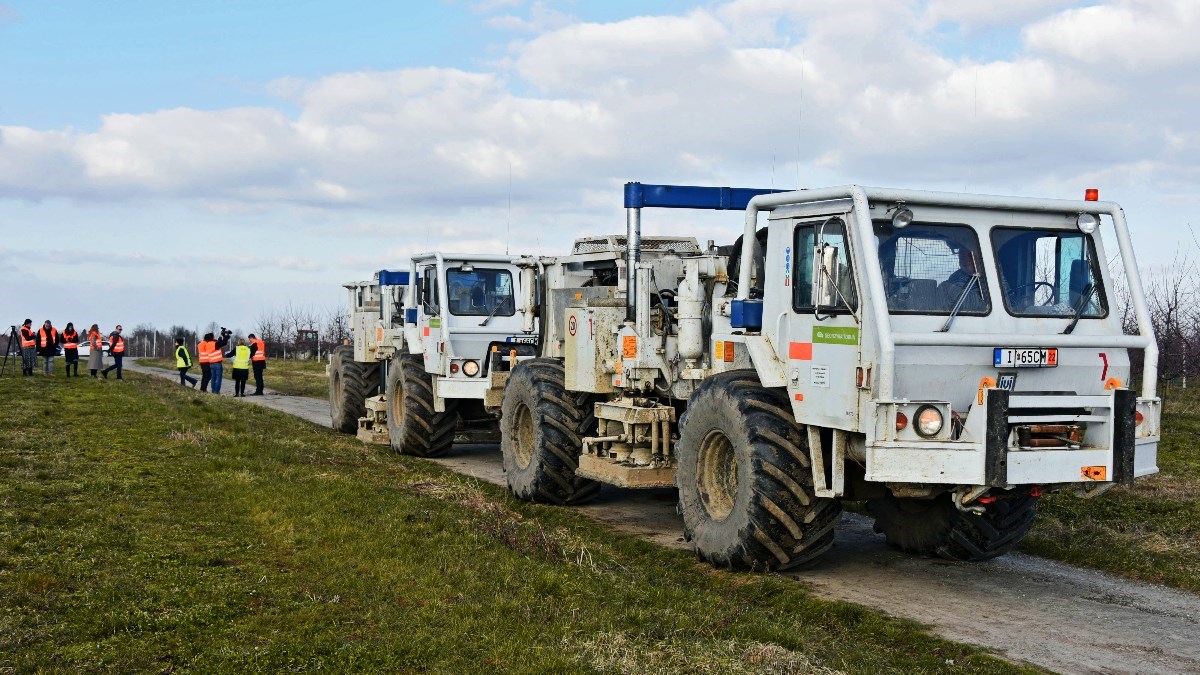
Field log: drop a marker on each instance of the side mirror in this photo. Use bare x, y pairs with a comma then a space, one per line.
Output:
825, 276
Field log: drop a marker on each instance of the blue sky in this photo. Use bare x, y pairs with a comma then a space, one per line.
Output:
274, 150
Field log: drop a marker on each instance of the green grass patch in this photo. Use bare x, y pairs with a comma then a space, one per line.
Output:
1148, 531
286, 376
144, 527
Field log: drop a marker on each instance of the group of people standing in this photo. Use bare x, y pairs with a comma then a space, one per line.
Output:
210, 354
45, 342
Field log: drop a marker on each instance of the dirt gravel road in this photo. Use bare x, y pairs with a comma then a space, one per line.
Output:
1026, 608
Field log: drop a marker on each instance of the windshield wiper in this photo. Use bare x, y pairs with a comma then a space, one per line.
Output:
1087, 297
495, 308
959, 303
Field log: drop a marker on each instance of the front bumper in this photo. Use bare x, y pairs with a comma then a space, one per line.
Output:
987, 452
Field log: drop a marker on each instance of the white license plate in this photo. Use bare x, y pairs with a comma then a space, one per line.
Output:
1005, 357
524, 340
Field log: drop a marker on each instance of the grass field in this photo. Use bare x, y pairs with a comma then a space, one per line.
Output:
1150, 531
287, 376
145, 527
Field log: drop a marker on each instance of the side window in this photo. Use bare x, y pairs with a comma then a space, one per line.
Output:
833, 262
429, 290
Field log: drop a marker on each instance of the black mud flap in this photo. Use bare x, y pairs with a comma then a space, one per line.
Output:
1124, 435
995, 462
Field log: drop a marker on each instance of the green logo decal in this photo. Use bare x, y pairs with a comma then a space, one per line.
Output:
435, 322
834, 335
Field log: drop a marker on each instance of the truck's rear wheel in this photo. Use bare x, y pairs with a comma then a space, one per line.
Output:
414, 427
744, 477
936, 527
541, 430
350, 382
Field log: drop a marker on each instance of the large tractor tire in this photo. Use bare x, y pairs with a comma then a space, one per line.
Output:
414, 428
745, 478
542, 427
936, 527
350, 383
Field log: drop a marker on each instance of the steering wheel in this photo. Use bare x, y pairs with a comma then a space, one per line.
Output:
1033, 285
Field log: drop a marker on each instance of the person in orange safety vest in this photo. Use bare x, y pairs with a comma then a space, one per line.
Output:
28, 348
258, 361
48, 340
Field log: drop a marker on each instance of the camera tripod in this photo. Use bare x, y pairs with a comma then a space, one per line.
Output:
13, 339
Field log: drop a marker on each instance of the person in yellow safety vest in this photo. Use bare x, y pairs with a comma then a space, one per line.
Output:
28, 349
241, 367
183, 362
204, 351
258, 361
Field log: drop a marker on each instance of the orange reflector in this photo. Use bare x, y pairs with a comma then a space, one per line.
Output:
1091, 195
799, 397
986, 500
728, 352
1035, 491
495, 348
858, 377
1138, 417
901, 421
1094, 472
1113, 383
512, 353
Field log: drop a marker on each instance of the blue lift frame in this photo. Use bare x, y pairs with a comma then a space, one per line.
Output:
745, 313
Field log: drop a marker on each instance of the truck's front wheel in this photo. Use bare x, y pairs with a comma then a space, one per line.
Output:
414, 427
744, 477
350, 382
542, 427
936, 527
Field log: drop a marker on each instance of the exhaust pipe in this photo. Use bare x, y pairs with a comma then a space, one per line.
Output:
633, 254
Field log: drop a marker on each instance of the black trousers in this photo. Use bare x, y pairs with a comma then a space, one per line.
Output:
205, 376
240, 375
259, 367
184, 378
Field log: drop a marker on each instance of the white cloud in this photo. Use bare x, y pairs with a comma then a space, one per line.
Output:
1124, 35
822, 90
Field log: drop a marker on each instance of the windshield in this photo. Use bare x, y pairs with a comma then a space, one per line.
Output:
928, 267
480, 292
1048, 272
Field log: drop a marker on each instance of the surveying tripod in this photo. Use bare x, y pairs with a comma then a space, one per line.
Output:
13, 339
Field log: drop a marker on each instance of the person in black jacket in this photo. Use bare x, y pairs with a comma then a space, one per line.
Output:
183, 361
48, 340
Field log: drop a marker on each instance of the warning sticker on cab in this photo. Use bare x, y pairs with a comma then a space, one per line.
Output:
629, 346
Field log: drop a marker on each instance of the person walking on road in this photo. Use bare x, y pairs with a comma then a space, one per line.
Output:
116, 349
70, 343
258, 361
216, 363
47, 346
241, 367
183, 361
96, 353
28, 348
204, 350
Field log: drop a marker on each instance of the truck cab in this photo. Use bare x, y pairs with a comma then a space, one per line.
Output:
461, 309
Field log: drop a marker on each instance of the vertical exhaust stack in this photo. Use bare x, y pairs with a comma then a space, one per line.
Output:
633, 245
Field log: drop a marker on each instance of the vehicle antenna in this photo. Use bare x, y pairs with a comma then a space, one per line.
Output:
508, 226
